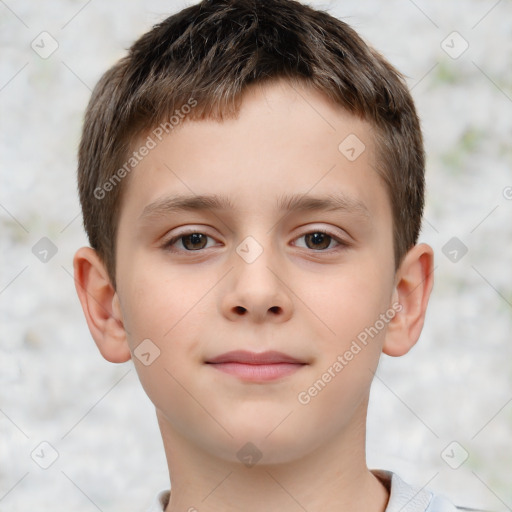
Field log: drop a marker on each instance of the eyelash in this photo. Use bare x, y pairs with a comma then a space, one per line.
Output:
342, 244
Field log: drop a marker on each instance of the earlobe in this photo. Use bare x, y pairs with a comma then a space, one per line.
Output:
415, 279
100, 304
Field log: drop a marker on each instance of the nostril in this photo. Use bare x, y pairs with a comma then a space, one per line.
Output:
275, 309
240, 309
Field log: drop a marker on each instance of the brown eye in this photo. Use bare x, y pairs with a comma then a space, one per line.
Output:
321, 240
192, 241
317, 240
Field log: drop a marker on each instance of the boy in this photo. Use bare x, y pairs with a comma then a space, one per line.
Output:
252, 183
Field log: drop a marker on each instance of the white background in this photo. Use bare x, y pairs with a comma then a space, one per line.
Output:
455, 385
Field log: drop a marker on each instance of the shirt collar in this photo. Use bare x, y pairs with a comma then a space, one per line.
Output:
402, 496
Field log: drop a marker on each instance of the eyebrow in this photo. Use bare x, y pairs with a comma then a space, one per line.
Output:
285, 203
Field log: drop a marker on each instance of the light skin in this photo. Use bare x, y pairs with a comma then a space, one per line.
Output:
304, 295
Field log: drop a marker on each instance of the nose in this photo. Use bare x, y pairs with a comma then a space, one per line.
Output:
258, 290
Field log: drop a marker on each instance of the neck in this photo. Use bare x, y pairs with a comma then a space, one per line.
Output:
331, 478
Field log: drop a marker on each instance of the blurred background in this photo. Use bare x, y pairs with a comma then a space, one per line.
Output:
78, 433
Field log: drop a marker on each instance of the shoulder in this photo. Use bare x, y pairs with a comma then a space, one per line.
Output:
407, 498
440, 504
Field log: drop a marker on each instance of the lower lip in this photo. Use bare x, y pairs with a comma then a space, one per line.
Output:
258, 372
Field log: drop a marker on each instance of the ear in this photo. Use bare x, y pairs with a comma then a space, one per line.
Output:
414, 281
101, 306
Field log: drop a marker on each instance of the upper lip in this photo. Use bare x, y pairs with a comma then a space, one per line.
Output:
243, 356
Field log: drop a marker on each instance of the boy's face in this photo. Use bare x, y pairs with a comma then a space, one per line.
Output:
260, 279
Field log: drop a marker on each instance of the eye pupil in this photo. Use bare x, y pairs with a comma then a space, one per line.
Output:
195, 238
318, 240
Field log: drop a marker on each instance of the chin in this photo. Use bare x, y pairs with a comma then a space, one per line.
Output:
261, 446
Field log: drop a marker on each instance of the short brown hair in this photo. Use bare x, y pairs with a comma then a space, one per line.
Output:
211, 52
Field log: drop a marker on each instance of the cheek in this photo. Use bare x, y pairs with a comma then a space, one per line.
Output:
158, 302
354, 309
160, 315
348, 303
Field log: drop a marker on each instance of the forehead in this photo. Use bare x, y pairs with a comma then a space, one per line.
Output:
286, 140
